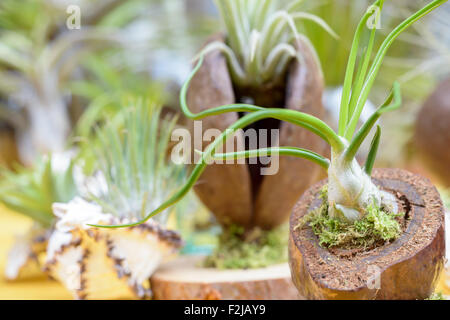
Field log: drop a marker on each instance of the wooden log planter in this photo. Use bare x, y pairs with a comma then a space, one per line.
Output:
407, 268
184, 279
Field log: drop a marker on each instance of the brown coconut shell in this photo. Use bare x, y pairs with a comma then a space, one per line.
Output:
224, 189
278, 193
184, 279
408, 268
237, 193
432, 134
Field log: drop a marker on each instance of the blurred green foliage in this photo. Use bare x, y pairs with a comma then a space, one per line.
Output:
32, 191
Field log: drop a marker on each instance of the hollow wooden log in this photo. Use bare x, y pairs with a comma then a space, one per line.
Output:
407, 268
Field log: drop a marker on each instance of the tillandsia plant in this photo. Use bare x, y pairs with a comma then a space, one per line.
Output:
350, 189
260, 38
31, 192
132, 176
352, 196
38, 55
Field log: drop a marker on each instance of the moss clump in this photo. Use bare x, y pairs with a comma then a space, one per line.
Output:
257, 248
377, 226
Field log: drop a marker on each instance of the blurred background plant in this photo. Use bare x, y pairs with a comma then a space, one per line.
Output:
39, 56
32, 192
57, 85
425, 64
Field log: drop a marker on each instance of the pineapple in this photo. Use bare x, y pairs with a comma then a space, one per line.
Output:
131, 177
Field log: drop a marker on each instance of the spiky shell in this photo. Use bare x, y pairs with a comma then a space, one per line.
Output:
96, 263
26, 255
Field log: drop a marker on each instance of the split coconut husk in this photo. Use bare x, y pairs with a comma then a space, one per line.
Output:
407, 268
27, 254
185, 279
432, 134
98, 263
238, 193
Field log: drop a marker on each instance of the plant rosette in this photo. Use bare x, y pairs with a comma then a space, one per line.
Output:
31, 192
105, 263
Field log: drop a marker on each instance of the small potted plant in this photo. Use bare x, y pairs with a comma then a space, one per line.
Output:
358, 234
31, 192
131, 176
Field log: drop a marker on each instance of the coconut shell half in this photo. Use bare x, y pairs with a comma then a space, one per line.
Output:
432, 134
278, 193
407, 268
184, 279
238, 193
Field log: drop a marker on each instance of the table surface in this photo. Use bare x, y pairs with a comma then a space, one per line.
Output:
14, 224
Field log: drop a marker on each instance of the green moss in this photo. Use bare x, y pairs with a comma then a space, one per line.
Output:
436, 296
377, 226
254, 249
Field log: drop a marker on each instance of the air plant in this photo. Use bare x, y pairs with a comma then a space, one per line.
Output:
136, 180
350, 188
131, 176
107, 87
31, 192
37, 57
408, 61
260, 36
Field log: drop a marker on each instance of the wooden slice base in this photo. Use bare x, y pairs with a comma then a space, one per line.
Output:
407, 268
183, 279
